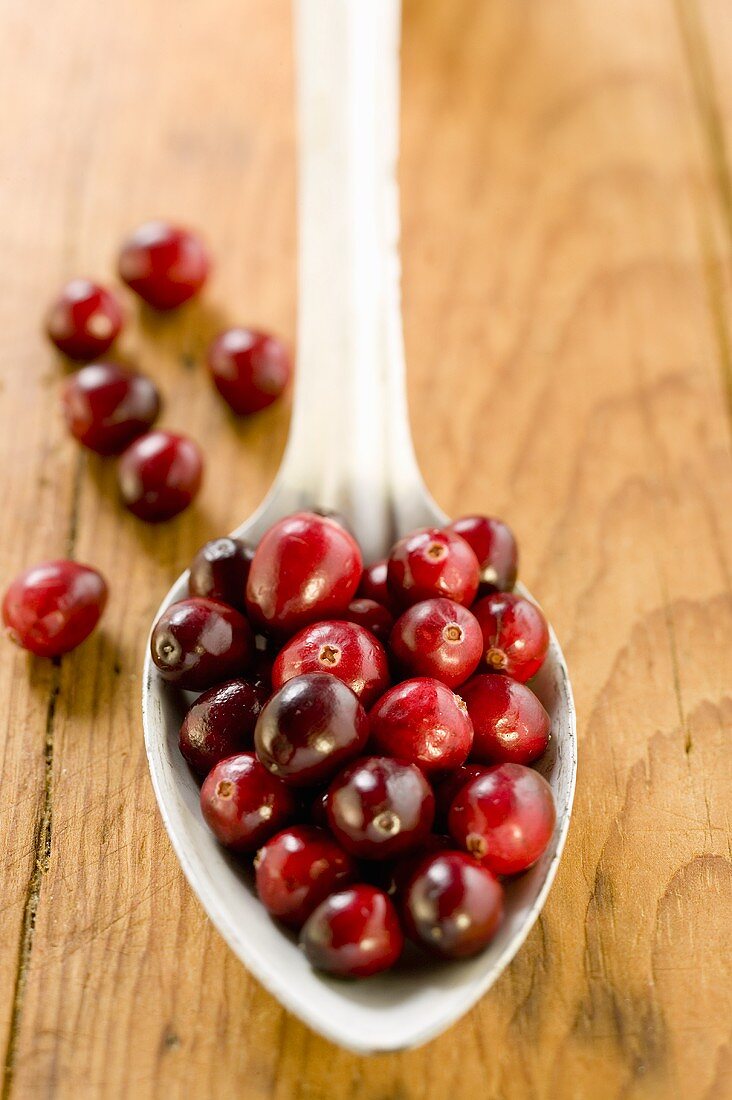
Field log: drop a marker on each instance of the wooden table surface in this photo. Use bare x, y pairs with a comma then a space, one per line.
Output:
567, 206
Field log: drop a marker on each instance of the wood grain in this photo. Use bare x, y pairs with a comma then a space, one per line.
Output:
567, 215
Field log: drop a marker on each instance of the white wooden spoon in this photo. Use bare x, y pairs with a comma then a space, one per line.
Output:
349, 449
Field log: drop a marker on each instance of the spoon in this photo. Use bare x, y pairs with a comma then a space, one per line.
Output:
350, 450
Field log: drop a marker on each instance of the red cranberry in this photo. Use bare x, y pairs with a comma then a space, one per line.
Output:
197, 643
306, 567
309, 728
53, 607
379, 807
220, 570
510, 725
85, 320
159, 475
343, 649
106, 406
452, 905
219, 724
448, 789
493, 543
373, 585
422, 722
163, 264
438, 638
297, 869
505, 819
403, 869
431, 563
242, 804
515, 635
354, 933
371, 616
249, 369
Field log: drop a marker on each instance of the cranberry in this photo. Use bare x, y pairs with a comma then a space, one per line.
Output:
306, 567
249, 369
510, 725
309, 728
379, 807
438, 638
493, 543
197, 643
373, 585
159, 475
165, 265
343, 649
319, 810
220, 570
354, 933
371, 616
422, 722
106, 406
505, 818
431, 563
53, 607
219, 724
242, 804
448, 789
297, 869
85, 320
403, 869
515, 634
452, 905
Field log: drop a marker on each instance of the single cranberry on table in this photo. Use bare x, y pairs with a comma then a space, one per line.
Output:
430, 563
422, 722
438, 638
164, 264
452, 905
85, 320
354, 933
250, 369
243, 804
197, 643
219, 724
340, 648
159, 475
373, 585
107, 406
220, 570
53, 607
515, 635
297, 869
372, 616
448, 789
510, 725
494, 545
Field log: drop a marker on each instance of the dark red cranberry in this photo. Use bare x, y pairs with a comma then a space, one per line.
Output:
219, 724
354, 933
343, 649
510, 725
505, 819
242, 804
197, 643
106, 406
452, 905
309, 728
261, 670
494, 545
431, 563
515, 635
422, 722
249, 369
159, 475
220, 570
165, 265
371, 616
53, 607
85, 320
402, 870
448, 789
379, 807
373, 586
438, 638
297, 869
305, 568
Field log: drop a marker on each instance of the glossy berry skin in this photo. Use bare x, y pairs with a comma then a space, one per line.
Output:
197, 643
310, 728
250, 369
374, 586
422, 722
353, 933
297, 869
53, 607
452, 905
504, 819
306, 567
106, 406
379, 808
219, 724
159, 475
515, 635
85, 320
438, 638
164, 264
493, 543
220, 570
371, 616
342, 649
431, 563
243, 805
510, 725
447, 789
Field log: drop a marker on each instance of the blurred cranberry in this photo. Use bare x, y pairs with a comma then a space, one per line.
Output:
85, 320
353, 933
249, 369
164, 264
53, 607
494, 545
106, 406
159, 475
